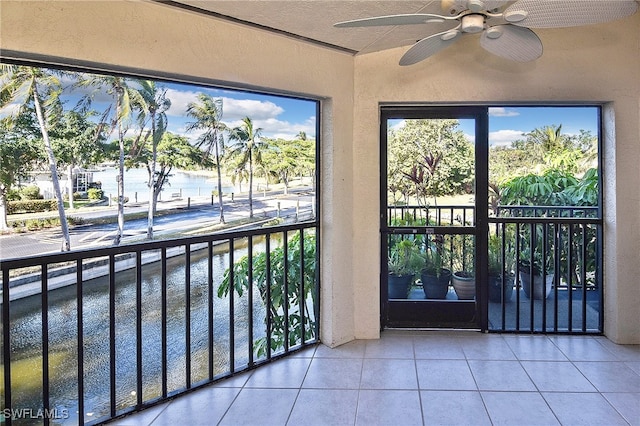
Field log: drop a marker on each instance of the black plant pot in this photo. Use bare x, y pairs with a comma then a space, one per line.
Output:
436, 287
399, 286
499, 292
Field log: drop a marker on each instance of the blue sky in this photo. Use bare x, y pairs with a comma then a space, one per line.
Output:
283, 117
279, 117
507, 124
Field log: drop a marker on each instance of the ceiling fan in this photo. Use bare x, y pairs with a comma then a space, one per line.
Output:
505, 29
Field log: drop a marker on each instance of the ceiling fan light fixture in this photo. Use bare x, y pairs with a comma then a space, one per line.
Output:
475, 5
472, 23
493, 32
515, 15
449, 35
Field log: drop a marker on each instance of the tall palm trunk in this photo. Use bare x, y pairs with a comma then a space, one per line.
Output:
221, 206
120, 231
250, 183
70, 185
152, 179
66, 244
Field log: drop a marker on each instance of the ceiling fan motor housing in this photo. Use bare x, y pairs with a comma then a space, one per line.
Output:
473, 23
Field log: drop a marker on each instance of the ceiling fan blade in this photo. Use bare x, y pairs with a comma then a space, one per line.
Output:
514, 43
567, 13
409, 19
426, 47
494, 4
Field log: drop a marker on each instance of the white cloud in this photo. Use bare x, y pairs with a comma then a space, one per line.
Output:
504, 137
237, 109
264, 114
179, 101
274, 128
470, 138
502, 112
232, 109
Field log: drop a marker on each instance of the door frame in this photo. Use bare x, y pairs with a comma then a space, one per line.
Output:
431, 313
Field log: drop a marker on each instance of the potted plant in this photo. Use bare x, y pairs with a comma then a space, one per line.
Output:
501, 273
464, 277
531, 267
403, 263
434, 276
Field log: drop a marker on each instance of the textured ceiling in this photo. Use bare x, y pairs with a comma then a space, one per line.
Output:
314, 20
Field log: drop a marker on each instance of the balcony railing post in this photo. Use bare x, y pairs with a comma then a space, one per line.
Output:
232, 280
268, 291
138, 328
80, 341
187, 314
6, 341
210, 312
163, 319
250, 300
44, 297
285, 293
301, 299
112, 335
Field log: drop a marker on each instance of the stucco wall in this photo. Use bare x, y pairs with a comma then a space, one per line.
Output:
597, 63
164, 39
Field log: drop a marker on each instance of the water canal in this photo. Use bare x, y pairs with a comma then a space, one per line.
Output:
26, 332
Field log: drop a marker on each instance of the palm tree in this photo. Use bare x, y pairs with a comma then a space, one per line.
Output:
548, 138
208, 112
153, 107
248, 147
125, 97
42, 87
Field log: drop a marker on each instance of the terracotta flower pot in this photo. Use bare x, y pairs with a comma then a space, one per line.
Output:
464, 285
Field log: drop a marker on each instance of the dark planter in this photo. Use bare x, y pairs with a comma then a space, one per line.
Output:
499, 292
540, 290
436, 287
399, 286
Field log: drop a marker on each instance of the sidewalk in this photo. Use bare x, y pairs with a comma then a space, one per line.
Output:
193, 215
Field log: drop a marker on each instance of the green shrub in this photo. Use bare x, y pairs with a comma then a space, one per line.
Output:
76, 196
31, 192
95, 194
31, 206
74, 220
33, 224
13, 195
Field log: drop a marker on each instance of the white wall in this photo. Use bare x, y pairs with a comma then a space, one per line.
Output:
597, 64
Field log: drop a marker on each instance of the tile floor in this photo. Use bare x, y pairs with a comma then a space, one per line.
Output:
426, 378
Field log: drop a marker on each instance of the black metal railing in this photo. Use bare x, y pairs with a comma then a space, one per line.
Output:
544, 262
458, 215
91, 335
554, 264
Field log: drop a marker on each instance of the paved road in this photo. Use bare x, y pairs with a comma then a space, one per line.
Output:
179, 217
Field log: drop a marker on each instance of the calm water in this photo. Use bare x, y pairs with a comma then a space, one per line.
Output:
135, 184
26, 331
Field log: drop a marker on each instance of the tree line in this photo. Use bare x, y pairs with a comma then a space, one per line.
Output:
43, 129
427, 159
